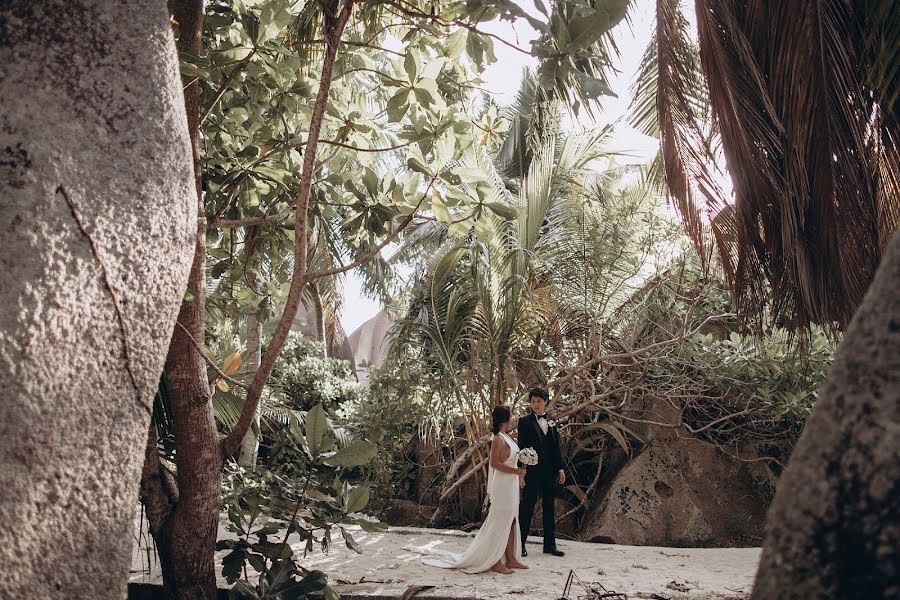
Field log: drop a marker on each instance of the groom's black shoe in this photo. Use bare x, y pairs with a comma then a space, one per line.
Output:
554, 551
524, 551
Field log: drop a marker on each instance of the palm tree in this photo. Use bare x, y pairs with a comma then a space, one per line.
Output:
554, 249
802, 98
802, 105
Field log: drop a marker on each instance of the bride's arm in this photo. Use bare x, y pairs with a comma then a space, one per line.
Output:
497, 446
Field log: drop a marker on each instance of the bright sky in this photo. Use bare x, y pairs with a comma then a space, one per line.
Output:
502, 79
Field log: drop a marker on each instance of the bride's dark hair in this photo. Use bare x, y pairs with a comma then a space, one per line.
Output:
499, 416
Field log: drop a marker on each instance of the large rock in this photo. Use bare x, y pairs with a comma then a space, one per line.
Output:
682, 492
337, 345
370, 343
834, 527
407, 513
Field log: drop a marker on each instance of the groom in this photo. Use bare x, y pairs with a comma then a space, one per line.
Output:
538, 431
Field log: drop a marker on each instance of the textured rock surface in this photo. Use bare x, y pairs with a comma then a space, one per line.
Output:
97, 212
680, 492
370, 342
834, 528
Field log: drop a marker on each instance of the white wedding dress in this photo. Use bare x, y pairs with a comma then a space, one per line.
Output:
490, 541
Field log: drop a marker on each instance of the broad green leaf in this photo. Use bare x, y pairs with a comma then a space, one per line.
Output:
439, 208
371, 526
411, 65
456, 43
230, 54
416, 162
354, 455
242, 590
398, 105
314, 426
502, 210
273, 18
231, 565
357, 499
423, 97
330, 594
191, 70
292, 589
444, 150
351, 543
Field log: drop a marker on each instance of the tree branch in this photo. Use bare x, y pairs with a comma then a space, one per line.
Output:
334, 29
370, 255
202, 352
357, 149
224, 87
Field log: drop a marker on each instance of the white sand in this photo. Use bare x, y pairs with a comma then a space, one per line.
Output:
385, 570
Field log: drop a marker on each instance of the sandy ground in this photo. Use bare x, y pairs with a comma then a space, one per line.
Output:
385, 570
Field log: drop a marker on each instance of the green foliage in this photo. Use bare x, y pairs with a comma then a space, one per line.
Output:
560, 248
769, 380
302, 378
309, 499
772, 370
398, 408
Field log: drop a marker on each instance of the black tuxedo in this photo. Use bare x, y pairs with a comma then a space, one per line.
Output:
540, 479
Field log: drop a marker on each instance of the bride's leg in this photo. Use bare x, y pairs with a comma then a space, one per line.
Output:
511, 561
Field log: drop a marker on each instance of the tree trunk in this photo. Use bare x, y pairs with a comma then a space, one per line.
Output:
250, 443
186, 539
319, 315
834, 527
185, 533
98, 213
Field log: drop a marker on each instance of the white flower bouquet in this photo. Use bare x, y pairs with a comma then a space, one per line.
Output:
528, 456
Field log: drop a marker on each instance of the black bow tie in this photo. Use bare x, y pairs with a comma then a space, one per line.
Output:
542, 417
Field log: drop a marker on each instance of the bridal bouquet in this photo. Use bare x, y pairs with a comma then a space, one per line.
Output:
528, 456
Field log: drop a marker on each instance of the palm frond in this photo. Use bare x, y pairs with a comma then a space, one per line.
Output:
689, 167
798, 104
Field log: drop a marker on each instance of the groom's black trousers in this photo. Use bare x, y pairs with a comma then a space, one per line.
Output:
544, 486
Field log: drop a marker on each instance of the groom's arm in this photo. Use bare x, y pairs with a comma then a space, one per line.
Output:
557, 457
526, 434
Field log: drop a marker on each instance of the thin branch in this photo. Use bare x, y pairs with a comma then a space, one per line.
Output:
209, 361
224, 87
375, 71
357, 149
334, 29
373, 47
370, 255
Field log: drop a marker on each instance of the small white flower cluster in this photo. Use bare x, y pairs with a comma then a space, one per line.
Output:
528, 456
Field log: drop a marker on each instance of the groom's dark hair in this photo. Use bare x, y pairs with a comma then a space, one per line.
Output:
499, 416
539, 392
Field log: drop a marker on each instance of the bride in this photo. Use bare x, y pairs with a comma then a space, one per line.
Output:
496, 543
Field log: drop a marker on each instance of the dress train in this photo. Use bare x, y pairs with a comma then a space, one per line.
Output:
489, 543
